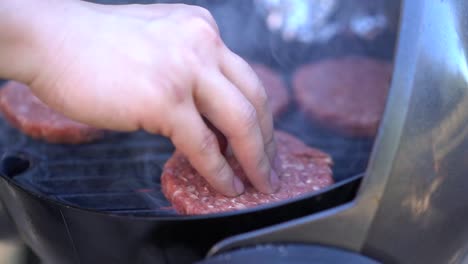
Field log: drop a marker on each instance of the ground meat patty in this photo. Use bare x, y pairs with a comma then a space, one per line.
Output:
346, 94
302, 169
275, 88
26, 112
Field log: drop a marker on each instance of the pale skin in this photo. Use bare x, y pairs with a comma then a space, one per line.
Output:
160, 68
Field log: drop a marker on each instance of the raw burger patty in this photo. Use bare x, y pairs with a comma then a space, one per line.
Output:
302, 169
26, 112
346, 94
275, 88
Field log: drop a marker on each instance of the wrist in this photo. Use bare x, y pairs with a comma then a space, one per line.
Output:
29, 30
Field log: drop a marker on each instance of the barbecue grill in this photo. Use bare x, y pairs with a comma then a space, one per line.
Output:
398, 198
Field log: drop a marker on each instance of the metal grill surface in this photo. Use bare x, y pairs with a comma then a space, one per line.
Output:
121, 173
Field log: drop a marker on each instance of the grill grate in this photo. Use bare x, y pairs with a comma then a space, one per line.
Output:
120, 174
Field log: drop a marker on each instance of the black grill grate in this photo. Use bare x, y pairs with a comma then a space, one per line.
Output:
120, 174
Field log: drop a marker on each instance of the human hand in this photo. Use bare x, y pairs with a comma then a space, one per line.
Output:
161, 68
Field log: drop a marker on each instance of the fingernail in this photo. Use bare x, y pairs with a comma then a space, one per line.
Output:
238, 185
274, 180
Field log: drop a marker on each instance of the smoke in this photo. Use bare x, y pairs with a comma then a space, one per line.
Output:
123, 170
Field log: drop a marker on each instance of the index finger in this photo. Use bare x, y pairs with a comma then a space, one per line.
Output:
200, 145
241, 74
236, 118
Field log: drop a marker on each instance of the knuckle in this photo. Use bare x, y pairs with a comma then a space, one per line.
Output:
270, 140
200, 26
206, 15
172, 86
150, 127
262, 165
270, 147
249, 118
218, 171
165, 129
204, 30
203, 12
262, 97
179, 94
208, 144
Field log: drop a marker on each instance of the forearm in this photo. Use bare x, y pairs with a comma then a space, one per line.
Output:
25, 26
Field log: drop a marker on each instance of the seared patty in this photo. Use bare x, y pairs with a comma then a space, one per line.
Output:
27, 113
301, 169
346, 94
